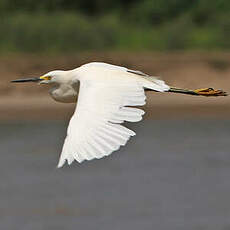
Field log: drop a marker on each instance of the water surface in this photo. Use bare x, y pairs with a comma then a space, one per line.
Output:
173, 175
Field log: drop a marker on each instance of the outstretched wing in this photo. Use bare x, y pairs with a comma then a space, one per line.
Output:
95, 128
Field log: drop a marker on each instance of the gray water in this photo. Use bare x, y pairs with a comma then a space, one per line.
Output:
173, 175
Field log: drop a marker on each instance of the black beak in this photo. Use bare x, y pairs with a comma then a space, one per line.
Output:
34, 79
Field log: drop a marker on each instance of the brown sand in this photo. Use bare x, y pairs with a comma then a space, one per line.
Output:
189, 70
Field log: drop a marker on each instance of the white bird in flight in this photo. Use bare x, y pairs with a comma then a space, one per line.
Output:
104, 101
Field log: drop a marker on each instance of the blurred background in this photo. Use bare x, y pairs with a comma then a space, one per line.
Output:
174, 174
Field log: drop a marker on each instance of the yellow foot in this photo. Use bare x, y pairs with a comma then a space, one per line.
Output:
210, 92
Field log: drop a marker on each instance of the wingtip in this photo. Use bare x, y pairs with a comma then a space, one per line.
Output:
60, 164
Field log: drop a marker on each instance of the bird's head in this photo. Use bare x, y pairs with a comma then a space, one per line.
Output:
56, 77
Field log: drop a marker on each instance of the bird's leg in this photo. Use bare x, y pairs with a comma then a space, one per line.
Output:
199, 92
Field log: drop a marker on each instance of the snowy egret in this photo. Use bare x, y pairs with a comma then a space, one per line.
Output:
106, 95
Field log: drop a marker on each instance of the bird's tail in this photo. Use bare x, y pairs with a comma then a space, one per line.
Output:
199, 92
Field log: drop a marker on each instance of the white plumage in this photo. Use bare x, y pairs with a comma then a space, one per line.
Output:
104, 102
106, 91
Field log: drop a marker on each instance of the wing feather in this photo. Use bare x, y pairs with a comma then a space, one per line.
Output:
95, 128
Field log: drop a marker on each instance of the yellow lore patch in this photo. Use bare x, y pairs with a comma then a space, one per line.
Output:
45, 78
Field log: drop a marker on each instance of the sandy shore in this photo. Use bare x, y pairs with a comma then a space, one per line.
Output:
193, 70
159, 106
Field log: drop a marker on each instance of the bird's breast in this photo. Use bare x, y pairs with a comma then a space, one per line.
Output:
64, 94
